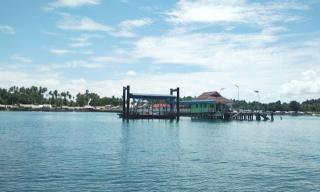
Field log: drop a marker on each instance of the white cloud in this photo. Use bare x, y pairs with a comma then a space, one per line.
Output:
71, 3
307, 85
20, 58
7, 29
116, 56
193, 83
82, 64
109, 59
157, 83
269, 60
61, 52
52, 33
84, 40
205, 49
27, 79
126, 27
47, 79
253, 60
131, 73
87, 37
232, 11
81, 24
71, 64
129, 24
76, 45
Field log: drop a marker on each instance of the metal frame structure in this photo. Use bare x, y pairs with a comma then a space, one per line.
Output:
129, 112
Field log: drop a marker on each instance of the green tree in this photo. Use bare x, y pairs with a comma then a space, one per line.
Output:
294, 106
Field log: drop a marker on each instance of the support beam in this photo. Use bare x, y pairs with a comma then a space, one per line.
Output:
178, 104
124, 103
171, 102
139, 113
177, 90
128, 102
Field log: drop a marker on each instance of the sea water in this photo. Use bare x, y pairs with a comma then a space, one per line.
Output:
55, 151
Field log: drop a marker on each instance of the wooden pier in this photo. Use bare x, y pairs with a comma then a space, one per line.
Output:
157, 106
150, 106
252, 115
240, 116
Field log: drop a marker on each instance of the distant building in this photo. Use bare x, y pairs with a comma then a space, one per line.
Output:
209, 102
33, 106
160, 106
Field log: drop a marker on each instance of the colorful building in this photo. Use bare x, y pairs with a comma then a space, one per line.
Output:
209, 102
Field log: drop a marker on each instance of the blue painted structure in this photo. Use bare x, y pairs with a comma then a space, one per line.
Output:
143, 109
151, 96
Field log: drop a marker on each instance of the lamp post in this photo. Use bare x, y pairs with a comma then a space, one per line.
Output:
257, 92
237, 86
221, 89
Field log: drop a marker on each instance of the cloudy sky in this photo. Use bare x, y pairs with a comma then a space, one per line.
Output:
203, 45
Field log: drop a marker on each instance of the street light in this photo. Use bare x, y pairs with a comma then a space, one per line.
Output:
237, 86
221, 89
257, 92
238, 102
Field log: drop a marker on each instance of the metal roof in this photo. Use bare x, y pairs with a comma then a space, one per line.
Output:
214, 95
198, 101
150, 96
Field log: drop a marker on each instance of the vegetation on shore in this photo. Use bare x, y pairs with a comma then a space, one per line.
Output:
312, 105
41, 95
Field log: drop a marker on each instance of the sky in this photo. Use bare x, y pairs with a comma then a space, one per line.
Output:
198, 45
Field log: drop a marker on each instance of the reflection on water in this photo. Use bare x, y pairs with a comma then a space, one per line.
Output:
99, 152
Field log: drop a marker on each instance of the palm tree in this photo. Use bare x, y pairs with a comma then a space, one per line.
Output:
56, 93
52, 97
64, 95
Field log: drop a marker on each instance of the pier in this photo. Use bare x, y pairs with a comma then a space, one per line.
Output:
252, 115
239, 116
150, 106
209, 105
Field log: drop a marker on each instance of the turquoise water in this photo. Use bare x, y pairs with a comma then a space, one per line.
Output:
98, 152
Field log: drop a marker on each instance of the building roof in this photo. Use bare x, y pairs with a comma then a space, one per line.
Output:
198, 101
151, 96
214, 95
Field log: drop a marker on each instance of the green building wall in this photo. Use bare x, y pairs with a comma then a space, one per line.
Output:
202, 107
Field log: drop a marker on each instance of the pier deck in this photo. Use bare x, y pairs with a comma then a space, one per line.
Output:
159, 106
242, 116
150, 106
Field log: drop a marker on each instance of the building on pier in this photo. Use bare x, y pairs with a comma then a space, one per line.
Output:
207, 102
219, 103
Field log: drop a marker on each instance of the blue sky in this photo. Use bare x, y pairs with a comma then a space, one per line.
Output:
204, 45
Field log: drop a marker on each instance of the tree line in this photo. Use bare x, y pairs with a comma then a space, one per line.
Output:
312, 105
41, 95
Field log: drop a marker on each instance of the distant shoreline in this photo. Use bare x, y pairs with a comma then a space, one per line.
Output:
49, 108
120, 111
59, 110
